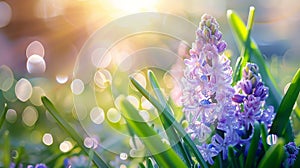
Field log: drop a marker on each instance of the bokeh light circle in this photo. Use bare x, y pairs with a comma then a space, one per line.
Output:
97, 115
23, 90
36, 64
106, 81
6, 14
6, 77
35, 48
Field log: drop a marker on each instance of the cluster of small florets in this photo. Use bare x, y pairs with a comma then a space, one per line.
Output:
291, 152
211, 103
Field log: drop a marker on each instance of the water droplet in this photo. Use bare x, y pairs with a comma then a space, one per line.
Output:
113, 115
97, 115
23, 90
77, 86
37, 93
47, 139
140, 78
65, 146
29, 116
100, 60
6, 77
14, 154
272, 139
6, 14
35, 48
11, 116
36, 64
102, 78
123, 156
61, 79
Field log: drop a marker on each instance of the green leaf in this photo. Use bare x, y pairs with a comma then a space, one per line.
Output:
174, 139
246, 49
285, 109
232, 157
171, 119
264, 134
3, 115
273, 156
6, 149
253, 146
239, 31
163, 153
73, 133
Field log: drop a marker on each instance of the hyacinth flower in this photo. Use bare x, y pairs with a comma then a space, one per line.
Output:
291, 152
250, 99
207, 91
211, 104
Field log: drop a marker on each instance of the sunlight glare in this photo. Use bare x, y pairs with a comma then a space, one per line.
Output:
133, 6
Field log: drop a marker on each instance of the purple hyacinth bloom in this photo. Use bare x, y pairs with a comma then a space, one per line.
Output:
252, 107
291, 152
39, 165
208, 151
207, 91
207, 76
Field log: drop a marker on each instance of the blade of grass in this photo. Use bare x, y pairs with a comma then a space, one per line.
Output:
91, 155
232, 157
73, 133
240, 33
3, 115
171, 119
246, 49
175, 141
163, 154
6, 149
253, 146
273, 156
285, 109
264, 134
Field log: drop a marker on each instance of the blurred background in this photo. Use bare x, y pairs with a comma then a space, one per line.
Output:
40, 41
62, 27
